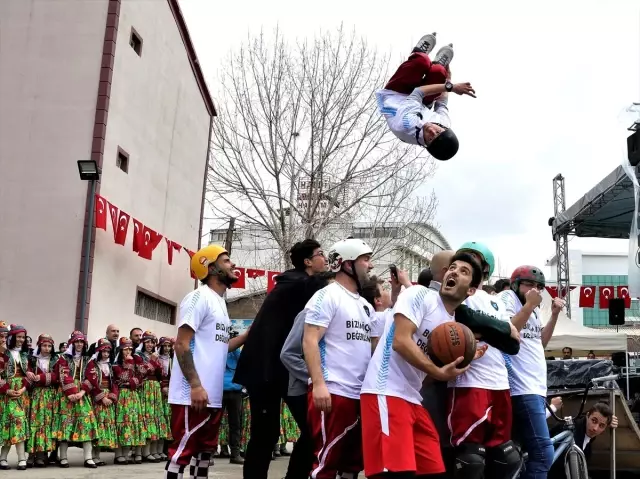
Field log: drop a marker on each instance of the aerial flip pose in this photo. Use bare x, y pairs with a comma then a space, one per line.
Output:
414, 101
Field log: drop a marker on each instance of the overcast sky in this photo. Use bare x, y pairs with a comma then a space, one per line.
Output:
552, 80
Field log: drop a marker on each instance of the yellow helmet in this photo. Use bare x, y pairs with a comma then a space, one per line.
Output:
203, 258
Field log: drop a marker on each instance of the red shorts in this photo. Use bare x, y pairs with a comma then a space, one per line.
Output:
479, 416
193, 433
398, 436
336, 437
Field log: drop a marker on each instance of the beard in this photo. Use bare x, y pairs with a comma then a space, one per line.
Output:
226, 277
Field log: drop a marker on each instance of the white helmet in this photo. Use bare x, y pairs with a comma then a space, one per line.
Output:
347, 250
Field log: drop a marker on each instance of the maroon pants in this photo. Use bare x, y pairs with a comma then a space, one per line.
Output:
417, 71
193, 433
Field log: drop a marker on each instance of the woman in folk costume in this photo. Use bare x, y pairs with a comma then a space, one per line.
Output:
15, 385
153, 409
45, 401
128, 412
105, 395
76, 419
166, 359
4, 331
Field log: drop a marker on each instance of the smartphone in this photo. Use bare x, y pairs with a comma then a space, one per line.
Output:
394, 271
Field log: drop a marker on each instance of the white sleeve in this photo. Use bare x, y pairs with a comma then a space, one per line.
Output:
442, 111
414, 303
193, 310
320, 308
411, 111
377, 325
509, 303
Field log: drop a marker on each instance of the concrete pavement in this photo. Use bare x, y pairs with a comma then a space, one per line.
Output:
222, 469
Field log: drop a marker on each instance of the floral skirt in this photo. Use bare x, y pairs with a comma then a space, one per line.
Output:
167, 415
45, 402
76, 420
128, 420
246, 424
15, 416
289, 431
106, 419
153, 411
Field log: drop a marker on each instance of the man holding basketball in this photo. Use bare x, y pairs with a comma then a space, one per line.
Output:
392, 414
479, 412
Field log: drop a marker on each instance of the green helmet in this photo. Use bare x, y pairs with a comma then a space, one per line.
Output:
483, 251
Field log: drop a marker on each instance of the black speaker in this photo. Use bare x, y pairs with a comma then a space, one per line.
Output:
633, 148
616, 311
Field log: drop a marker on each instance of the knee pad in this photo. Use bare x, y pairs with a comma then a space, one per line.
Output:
503, 460
469, 463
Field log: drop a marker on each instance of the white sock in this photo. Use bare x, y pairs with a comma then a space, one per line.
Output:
137, 451
62, 452
146, 450
125, 452
20, 450
96, 453
86, 449
4, 452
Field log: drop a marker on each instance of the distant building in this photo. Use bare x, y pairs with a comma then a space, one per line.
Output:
119, 83
595, 269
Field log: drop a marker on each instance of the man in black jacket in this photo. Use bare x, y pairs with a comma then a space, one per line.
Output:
263, 374
587, 428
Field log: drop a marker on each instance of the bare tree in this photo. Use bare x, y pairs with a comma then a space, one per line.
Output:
300, 146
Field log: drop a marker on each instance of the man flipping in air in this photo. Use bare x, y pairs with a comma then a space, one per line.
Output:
414, 101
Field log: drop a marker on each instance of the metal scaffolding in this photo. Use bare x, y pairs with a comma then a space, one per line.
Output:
562, 244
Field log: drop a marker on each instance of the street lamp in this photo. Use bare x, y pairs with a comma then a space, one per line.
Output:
90, 172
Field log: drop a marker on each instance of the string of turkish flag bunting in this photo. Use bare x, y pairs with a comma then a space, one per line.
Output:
588, 295
146, 240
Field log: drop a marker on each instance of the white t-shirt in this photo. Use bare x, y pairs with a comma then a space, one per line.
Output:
378, 321
204, 311
345, 349
388, 373
528, 370
490, 371
406, 114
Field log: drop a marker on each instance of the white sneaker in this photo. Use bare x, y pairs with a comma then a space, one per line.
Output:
444, 55
426, 44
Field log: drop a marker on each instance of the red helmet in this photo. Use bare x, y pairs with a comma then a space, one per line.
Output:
526, 273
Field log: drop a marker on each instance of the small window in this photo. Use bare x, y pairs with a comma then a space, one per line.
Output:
122, 161
136, 42
154, 308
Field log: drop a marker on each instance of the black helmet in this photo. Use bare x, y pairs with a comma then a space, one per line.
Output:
445, 146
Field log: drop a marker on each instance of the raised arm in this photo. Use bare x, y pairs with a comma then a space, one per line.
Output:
547, 331
501, 335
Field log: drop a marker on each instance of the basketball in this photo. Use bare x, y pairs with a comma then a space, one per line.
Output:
449, 341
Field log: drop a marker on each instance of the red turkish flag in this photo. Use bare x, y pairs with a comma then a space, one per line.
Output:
255, 273
606, 293
151, 240
240, 284
552, 290
587, 296
191, 253
172, 245
120, 234
623, 293
113, 209
138, 230
271, 280
101, 212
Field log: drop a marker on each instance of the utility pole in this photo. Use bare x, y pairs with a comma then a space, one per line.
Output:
229, 239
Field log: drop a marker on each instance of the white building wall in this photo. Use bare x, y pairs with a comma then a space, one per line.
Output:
583, 263
157, 115
50, 54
